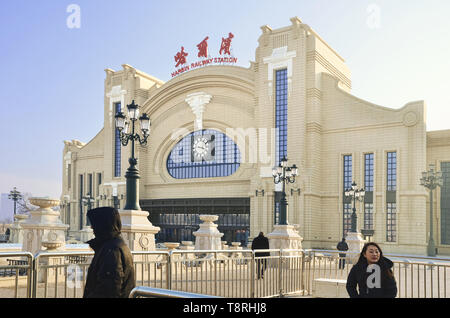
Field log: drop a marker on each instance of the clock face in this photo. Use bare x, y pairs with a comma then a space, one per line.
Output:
201, 147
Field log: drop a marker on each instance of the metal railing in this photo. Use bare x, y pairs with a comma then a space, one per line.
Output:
148, 292
16, 276
221, 273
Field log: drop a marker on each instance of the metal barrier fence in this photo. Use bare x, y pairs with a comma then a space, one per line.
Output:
17, 272
229, 273
221, 273
416, 277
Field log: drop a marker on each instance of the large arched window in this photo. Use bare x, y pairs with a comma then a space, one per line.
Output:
204, 154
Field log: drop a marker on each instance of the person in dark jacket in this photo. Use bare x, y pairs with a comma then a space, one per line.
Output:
111, 273
342, 246
372, 274
261, 243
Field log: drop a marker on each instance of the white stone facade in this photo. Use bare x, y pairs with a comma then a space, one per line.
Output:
325, 122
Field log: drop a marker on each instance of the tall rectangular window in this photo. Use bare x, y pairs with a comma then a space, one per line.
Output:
81, 193
117, 146
281, 113
368, 216
368, 172
391, 222
90, 185
347, 207
391, 204
445, 203
391, 171
99, 182
69, 175
368, 187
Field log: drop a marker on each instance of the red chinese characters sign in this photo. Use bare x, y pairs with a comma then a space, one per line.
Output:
205, 59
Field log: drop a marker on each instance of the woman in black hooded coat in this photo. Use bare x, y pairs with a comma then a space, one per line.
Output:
376, 281
111, 273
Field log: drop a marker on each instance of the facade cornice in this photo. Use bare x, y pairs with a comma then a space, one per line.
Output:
314, 56
192, 83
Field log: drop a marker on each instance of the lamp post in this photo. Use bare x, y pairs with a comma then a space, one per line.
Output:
87, 201
354, 194
285, 174
15, 196
430, 180
132, 174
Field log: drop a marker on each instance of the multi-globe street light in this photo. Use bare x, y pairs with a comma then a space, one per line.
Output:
132, 174
354, 194
88, 201
285, 174
430, 180
15, 196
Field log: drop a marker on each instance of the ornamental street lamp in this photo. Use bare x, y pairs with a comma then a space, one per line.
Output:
354, 195
430, 180
15, 196
285, 174
88, 201
132, 175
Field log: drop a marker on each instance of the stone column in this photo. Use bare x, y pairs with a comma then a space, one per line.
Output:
285, 237
43, 225
208, 236
137, 231
43, 232
16, 235
355, 242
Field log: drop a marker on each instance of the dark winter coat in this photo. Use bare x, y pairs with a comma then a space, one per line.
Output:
111, 273
358, 277
261, 243
342, 246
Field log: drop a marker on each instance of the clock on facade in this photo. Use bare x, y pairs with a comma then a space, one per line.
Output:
203, 148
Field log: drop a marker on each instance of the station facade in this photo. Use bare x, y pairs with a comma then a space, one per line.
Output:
217, 131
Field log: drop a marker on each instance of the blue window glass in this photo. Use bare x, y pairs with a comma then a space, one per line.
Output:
347, 208
368, 172
281, 112
368, 216
391, 222
117, 146
445, 203
391, 171
221, 157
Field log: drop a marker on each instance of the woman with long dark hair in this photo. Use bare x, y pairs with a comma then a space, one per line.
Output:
372, 274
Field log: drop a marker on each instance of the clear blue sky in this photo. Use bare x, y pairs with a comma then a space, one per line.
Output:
52, 79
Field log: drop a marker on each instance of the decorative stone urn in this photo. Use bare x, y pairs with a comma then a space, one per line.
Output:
171, 246
208, 236
43, 225
16, 228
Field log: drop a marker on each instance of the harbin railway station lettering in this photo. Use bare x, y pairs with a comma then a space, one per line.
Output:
226, 57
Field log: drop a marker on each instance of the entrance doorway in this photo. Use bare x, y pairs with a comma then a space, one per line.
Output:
179, 218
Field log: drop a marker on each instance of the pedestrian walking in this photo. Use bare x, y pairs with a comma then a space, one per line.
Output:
372, 274
342, 246
111, 273
261, 243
